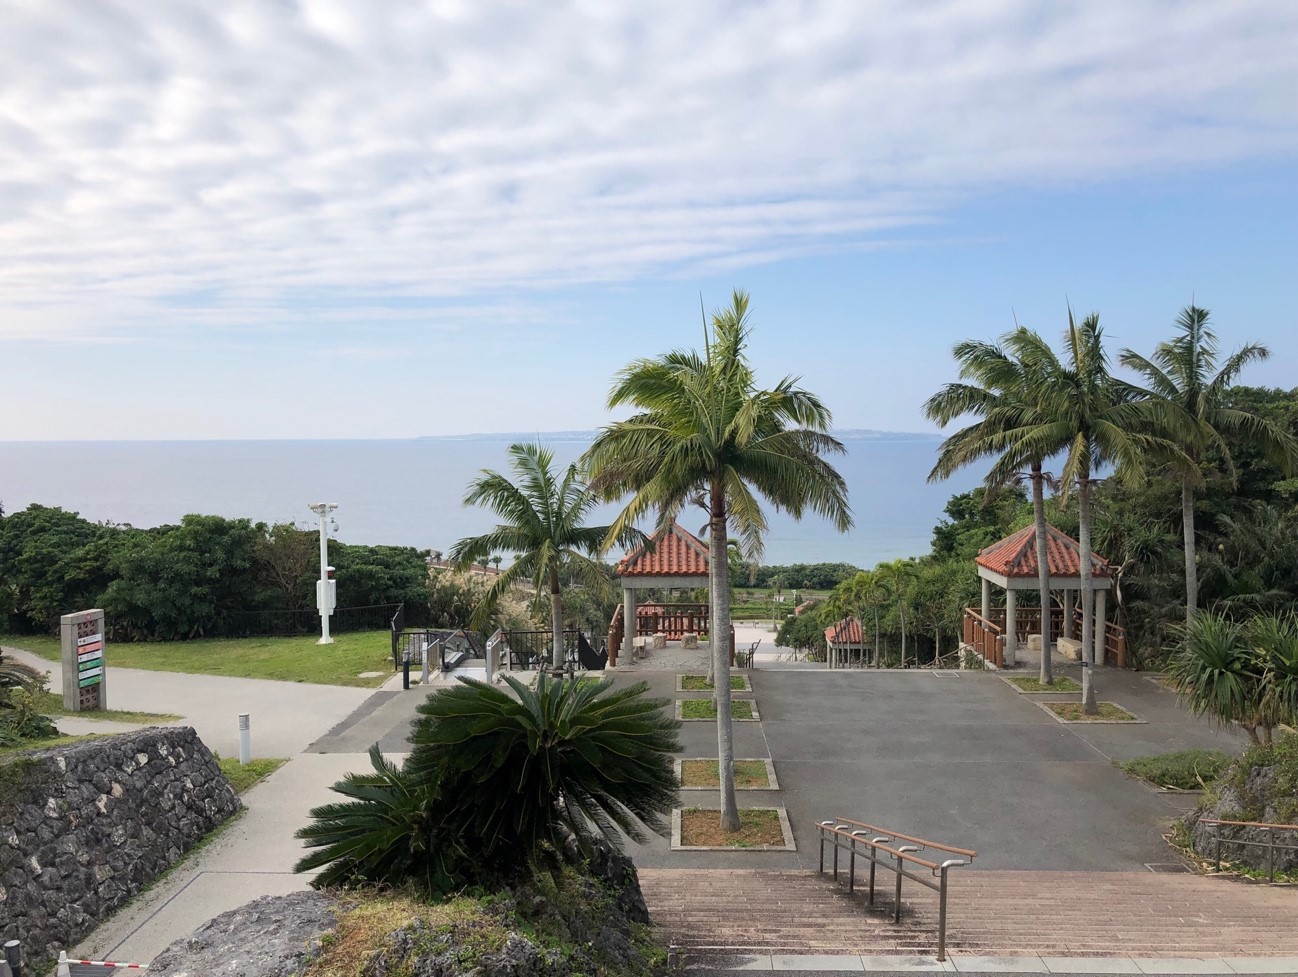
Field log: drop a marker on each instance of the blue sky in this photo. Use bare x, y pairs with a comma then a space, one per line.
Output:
315, 219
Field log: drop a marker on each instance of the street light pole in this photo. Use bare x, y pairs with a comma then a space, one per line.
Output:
324, 594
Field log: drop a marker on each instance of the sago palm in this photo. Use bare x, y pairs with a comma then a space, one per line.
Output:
1190, 392
703, 427
542, 517
1003, 394
562, 763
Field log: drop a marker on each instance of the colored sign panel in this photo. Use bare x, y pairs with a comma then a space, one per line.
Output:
90, 678
90, 639
88, 663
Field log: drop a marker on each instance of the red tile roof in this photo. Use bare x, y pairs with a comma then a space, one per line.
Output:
672, 552
845, 632
1016, 555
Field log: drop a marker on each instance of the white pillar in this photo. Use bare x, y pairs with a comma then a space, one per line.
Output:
1068, 614
1099, 627
628, 621
987, 599
1011, 627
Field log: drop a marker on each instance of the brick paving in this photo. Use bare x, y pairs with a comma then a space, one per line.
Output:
989, 912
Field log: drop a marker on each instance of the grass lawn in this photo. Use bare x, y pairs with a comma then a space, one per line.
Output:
705, 773
42, 744
1180, 770
699, 683
1028, 684
242, 776
1109, 712
757, 827
51, 704
285, 659
707, 709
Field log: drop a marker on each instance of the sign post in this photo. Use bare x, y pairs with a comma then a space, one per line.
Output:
84, 686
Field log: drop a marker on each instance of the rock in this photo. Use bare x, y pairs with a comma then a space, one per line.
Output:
274, 936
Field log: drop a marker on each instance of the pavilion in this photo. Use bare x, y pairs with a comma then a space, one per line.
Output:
671, 559
1011, 565
845, 643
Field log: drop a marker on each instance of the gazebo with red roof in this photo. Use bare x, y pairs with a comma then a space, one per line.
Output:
672, 558
1011, 565
842, 639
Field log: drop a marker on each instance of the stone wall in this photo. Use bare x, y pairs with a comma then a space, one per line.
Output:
84, 827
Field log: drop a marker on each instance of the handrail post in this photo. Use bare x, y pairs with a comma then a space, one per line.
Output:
1270, 854
941, 915
1216, 834
896, 915
823, 826
851, 864
874, 861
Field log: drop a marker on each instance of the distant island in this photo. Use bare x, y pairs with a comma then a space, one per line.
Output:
850, 434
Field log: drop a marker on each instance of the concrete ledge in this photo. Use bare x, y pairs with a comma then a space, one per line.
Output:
771, 782
718, 960
785, 827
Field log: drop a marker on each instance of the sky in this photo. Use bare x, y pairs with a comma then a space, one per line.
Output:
328, 219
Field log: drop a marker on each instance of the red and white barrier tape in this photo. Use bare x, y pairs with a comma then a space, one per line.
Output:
110, 963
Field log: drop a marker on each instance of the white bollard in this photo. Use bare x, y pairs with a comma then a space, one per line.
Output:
245, 738
65, 969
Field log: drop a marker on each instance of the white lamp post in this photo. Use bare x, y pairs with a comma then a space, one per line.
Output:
325, 592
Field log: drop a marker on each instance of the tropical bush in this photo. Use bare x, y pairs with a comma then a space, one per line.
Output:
19, 718
1180, 770
1243, 672
500, 784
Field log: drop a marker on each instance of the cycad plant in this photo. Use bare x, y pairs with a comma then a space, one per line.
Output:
498, 783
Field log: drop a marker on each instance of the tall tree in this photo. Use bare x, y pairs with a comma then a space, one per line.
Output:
1185, 382
1004, 395
542, 522
703, 426
1081, 409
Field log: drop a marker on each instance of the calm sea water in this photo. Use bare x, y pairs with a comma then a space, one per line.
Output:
409, 492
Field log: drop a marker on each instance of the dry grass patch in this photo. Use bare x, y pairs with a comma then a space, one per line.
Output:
1109, 712
706, 773
758, 827
1026, 683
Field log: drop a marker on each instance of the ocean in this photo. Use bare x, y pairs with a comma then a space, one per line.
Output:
408, 492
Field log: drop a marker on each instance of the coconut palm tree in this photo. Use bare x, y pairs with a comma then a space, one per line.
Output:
1184, 380
1082, 410
703, 426
542, 522
1002, 393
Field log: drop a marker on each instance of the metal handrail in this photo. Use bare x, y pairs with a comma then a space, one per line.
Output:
898, 835
841, 835
1270, 843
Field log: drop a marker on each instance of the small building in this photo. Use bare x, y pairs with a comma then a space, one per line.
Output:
845, 644
671, 559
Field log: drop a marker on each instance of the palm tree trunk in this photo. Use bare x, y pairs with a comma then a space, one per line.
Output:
556, 618
901, 615
1191, 569
878, 659
1089, 706
721, 659
712, 617
1043, 571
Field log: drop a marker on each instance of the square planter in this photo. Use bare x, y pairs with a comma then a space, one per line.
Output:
781, 814
771, 782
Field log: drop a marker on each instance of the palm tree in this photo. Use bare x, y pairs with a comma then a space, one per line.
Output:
895, 580
1002, 392
1080, 409
1190, 390
542, 524
703, 426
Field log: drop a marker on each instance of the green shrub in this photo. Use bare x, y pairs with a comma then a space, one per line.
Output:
1181, 770
498, 783
1279, 803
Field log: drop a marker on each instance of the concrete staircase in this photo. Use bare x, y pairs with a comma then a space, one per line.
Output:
992, 913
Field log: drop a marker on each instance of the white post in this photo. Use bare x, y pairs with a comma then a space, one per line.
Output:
323, 596
1011, 627
1100, 629
1068, 614
987, 599
628, 621
245, 738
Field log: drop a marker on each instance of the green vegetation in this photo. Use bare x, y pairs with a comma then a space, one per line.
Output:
20, 717
208, 576
700, 683
1179, 770
42, 743
704, 433
1273, 798
282, 659
707, 709
704, 773
1027, 684
1240, 672
243, 776
477, 801
542, 522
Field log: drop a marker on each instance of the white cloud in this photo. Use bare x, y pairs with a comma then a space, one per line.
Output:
246, 151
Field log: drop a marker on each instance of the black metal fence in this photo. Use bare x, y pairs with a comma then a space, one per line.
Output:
274, 624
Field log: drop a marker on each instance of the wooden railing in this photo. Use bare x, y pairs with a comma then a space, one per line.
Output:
1027, 622
985, 637
672, 620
